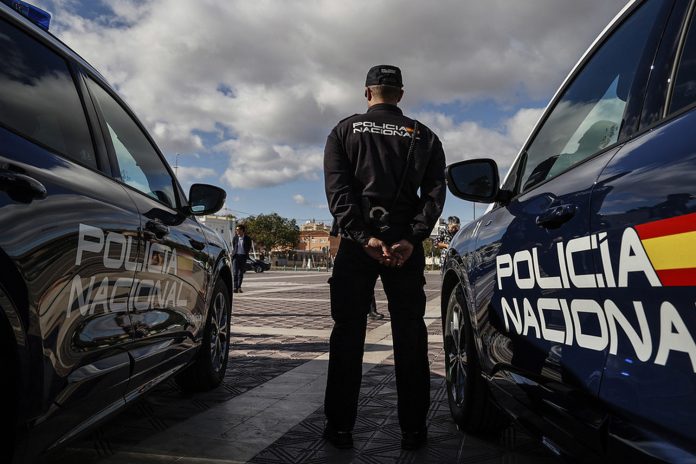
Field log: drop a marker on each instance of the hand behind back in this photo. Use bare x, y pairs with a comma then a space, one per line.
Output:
403, 249
394, 256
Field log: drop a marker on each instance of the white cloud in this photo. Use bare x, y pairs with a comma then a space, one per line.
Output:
301, 200
467, 140
188, 175
270, 78
259, 163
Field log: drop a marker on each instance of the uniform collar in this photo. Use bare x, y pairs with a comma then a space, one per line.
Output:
385, 107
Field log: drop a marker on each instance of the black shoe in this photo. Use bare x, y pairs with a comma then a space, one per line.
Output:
339, 439
236, 290
414, 440
375, 315
239, 290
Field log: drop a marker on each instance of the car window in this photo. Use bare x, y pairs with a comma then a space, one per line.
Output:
139, 164
588, 116
38, 97
684, 93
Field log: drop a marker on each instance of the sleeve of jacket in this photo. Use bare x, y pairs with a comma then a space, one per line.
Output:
432, 195
344, 204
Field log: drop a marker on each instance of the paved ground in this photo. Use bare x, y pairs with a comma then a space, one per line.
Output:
269, 408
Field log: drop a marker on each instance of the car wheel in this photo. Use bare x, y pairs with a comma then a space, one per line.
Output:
8, 387
258, 268
467, 393
208, 370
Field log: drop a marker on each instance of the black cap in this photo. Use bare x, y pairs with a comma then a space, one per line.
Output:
384, 74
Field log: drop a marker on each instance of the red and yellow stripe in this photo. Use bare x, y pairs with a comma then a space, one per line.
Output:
671, 247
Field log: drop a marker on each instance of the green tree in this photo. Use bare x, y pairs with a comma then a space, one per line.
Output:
428, 247
273, 231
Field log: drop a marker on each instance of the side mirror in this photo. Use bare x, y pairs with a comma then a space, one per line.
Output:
206, 199
474, 180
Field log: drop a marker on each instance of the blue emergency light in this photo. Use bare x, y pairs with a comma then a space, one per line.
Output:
36, 15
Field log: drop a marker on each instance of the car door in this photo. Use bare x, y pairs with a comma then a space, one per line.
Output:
645, 204
66, 233
168, 304
545, 331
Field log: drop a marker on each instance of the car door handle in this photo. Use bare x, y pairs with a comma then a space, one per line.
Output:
196, 244
22, 182
555, 216
157, 228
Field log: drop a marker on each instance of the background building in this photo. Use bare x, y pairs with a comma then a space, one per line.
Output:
314, 237
223, 225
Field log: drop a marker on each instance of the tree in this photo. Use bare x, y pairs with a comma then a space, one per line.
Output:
431, 251
428, 247
272, 231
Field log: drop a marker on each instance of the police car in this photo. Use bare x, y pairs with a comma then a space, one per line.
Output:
571, 303
108, 282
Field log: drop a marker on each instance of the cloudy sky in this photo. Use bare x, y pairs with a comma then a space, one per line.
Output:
245, 92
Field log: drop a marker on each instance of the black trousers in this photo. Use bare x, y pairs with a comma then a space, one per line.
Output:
238, 269
352, 284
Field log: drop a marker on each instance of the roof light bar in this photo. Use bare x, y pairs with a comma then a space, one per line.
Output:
41, 18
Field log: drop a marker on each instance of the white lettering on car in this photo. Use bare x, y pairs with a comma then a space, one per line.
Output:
118, 253
587, 323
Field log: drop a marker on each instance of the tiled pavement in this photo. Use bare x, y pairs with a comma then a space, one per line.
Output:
268, 409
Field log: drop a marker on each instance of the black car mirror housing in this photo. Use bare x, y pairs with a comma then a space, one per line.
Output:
475, 180
206, 199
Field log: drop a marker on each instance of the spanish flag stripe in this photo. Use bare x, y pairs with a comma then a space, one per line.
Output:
676, 251
671, 226
677, 277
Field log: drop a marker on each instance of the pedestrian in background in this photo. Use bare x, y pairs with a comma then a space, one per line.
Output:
444, 238
241, 246
385, 184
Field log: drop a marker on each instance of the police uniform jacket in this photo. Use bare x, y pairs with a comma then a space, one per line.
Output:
365, 156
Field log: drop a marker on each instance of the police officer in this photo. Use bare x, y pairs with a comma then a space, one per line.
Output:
385, 184
445, 236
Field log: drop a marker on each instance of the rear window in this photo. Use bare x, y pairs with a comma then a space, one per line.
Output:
38, 98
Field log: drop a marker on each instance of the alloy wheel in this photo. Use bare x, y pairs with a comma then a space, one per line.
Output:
219, 332
456, 355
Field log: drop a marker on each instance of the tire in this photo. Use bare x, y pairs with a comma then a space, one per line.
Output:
7, 440
467, 392
208, 370
8, 385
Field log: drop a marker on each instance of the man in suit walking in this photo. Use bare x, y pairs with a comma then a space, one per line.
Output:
241, 245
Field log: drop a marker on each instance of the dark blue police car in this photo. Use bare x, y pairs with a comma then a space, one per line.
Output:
571, 303
108, 282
